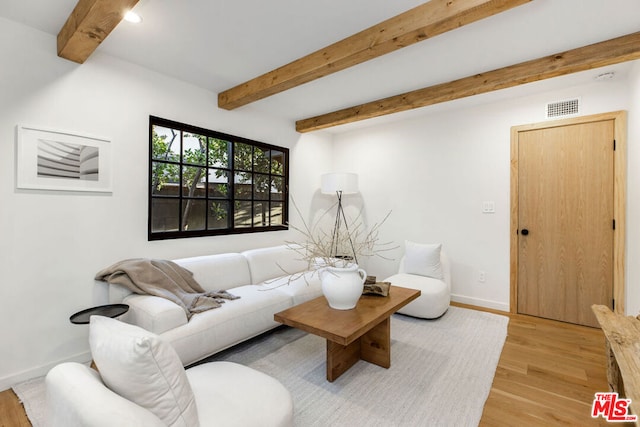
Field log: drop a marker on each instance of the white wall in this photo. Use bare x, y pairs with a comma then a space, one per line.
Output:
633, 194
435, 171
52, 243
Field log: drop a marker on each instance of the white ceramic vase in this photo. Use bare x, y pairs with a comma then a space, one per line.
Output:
342, 287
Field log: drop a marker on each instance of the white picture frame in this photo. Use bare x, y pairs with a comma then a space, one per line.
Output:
57, 160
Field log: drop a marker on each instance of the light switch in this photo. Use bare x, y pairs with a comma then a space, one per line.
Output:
488, 206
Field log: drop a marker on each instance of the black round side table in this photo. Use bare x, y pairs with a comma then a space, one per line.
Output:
109, 310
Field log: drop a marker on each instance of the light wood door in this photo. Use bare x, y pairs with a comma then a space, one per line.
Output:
565, 215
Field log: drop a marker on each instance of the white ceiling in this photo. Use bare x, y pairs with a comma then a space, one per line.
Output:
217, 44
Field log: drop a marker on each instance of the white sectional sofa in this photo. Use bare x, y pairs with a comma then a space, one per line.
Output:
267, 281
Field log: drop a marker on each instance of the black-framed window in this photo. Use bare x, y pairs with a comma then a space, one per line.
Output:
203, 182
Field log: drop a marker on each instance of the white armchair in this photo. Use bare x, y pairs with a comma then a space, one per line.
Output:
142, 383
426, 268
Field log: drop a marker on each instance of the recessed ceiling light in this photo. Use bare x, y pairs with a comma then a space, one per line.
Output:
132, 17
605, 76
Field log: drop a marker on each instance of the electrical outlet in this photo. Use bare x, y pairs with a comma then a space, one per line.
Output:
482, 276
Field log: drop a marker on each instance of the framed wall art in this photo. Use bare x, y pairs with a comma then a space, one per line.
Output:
65, 161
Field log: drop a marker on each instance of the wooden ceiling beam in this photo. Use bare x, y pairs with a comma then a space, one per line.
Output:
614, 51
420, 23
88, 25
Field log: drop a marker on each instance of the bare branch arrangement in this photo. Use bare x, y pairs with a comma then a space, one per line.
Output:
354, 241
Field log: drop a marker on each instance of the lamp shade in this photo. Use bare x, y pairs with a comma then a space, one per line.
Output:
347, 183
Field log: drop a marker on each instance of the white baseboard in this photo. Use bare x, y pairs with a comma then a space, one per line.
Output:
495, 305
40, 371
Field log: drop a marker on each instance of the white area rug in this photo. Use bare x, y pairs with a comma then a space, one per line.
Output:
440, 375
32, 394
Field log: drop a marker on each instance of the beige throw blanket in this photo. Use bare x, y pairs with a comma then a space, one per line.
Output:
164, 279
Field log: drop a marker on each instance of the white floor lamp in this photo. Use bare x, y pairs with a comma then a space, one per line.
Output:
340, 184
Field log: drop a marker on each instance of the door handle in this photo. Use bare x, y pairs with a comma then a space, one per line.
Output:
524, 231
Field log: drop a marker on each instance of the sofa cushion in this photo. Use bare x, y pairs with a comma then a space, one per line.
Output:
302, 286
141, 367
155, 314
236, 321
423, 259
218, 272
273, 262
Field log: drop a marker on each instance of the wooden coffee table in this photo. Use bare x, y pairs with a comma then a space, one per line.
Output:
362, 333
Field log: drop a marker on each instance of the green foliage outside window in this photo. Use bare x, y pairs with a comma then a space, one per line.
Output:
204, 183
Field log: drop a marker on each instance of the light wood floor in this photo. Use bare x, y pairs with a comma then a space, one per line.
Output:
11, 411
547, 376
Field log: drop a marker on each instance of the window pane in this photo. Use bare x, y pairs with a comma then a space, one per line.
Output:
277, 162
277, 188
219, 152
165, 144
193, 182
243, 156
242, 214
261, 187
194, 149
261, 159
243, 184
276, 213
210, 183
261, 214
218, 183
193, 214
165, 179
218, 215
164, 215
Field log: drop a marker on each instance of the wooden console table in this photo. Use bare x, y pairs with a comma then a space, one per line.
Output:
623, 353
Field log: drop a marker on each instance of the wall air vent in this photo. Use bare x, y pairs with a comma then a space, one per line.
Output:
568, 107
